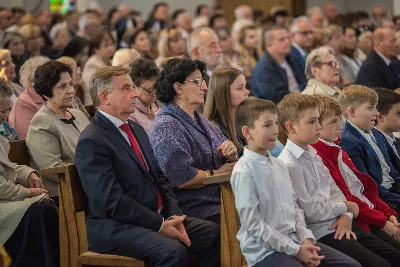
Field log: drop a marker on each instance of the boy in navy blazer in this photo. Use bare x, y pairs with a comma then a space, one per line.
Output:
365, 145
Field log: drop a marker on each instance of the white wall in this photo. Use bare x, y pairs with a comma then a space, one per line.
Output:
358, 5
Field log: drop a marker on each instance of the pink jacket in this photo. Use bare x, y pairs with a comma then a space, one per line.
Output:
25, 107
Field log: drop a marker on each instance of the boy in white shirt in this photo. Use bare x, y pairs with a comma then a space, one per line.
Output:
273, 231
327, 213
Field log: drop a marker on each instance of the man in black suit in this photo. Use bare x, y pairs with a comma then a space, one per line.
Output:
131, 208
381, 68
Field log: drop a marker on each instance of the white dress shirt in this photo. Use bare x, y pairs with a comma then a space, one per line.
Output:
266, 202
387, 181
353, 183
292, 82
391, 141
317, 193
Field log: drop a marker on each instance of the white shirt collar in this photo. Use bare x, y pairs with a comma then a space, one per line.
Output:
114, 120
209, 73
387, 60
329, 143
301, 50
255, 156
388, 138
358, 129
298, 151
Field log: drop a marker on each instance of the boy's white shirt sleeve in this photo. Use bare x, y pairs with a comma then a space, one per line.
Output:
246, 200
303, 232
314, 207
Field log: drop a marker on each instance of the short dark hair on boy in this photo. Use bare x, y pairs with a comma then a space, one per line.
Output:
356, 95
328, 106
386, 100
293, 105
250, 110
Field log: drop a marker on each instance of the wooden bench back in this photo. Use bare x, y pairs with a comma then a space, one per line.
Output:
74, 200
231, 255
19, 152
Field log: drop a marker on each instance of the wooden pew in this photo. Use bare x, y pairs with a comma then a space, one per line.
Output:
73, 234
231, 256
19, 152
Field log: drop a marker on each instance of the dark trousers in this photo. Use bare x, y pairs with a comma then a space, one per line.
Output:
215, 218
162, 251
333, 258
35, 241
368, 249
379, 233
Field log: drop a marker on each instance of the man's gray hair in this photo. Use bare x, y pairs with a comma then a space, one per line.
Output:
27, 71
5, 90
102, 81
315, 57
194, 40
293, 27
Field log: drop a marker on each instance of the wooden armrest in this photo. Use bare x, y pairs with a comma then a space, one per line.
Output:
57, 170
218, 178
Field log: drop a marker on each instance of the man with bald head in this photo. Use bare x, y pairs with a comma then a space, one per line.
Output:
330, 11
244, 12
381, 68
203, 44
379, 13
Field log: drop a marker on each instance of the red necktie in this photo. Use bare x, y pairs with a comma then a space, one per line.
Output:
135, 146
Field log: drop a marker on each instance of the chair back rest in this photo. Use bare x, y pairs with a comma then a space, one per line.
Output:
19, 152
74, 204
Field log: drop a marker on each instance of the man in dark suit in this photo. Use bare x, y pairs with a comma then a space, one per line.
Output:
302, 40
131, 208
276, 75
381, 68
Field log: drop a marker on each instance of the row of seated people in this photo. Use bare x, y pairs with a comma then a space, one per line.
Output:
181, 88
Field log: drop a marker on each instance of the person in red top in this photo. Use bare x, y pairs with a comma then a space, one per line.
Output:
374, 215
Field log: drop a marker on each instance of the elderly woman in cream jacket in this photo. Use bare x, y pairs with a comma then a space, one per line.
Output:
54, 130
322, 71
28, 220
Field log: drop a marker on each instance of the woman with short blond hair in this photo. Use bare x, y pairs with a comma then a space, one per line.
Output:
170, 44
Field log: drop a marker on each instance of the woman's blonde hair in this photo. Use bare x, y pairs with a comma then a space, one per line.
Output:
165, 37
29, 30
3, 54
218, 104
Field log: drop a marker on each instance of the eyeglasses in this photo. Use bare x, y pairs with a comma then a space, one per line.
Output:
333, 64
306, 32
198, 81
149, 90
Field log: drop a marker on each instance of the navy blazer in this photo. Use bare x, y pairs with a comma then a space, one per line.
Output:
366, 160
299, 60
269, 80
375, 73
122, 196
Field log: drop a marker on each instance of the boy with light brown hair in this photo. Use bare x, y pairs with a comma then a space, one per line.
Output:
327, 212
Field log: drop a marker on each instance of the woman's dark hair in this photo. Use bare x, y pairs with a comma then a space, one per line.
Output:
132, 40
175, 70
199, 8
155, 7
47, 76
8, 36
95, 42
143, 69
75, 46
177, 12
214, 18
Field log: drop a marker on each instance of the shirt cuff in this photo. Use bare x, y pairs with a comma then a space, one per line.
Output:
162, 224
349, 214
340, 208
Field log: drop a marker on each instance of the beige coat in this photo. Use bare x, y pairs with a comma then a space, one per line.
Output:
93, 64
51, 142
14, 196
315, 87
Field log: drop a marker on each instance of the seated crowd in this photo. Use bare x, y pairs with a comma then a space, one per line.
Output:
146, 111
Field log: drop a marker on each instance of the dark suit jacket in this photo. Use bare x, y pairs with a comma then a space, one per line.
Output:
122, 196
269, 80
299, 60
375, 73
366, 160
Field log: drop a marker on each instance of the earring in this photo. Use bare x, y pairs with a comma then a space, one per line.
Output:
180, 97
